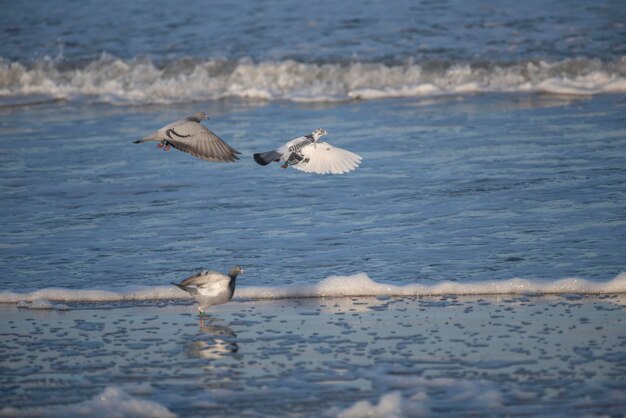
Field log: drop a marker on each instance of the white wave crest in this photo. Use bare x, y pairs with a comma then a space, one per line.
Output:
140, 81
336, 286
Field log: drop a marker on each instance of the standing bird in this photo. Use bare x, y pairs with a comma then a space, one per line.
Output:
190, 136
307, 154
210, 287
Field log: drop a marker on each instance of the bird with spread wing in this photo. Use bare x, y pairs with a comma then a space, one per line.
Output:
307, 154
189, 135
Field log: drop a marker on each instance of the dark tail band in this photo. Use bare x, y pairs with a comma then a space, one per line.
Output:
264, 158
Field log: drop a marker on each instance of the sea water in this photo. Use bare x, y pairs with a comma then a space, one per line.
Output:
492, 139
347, 357
488, 187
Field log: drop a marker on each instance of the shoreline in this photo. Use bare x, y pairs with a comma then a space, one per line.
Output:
511, 355
357, 285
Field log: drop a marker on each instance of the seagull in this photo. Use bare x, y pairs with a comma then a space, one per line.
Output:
210, 287
306, 154
190, 136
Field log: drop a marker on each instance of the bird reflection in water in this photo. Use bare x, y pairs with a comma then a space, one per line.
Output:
214, 341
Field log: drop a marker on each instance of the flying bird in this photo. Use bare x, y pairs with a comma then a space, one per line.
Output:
190, 136
307, 154
211, 288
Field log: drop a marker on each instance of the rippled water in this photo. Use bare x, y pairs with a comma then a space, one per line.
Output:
477, 188
325, 30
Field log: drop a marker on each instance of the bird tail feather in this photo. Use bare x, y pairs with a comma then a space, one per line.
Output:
264, 158
154, 136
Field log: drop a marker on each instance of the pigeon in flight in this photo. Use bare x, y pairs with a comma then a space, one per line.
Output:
210, 287
190, 136
307, 154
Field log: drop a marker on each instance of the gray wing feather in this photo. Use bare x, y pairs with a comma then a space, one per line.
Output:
195, 139
208, 287
204, 277
191, 290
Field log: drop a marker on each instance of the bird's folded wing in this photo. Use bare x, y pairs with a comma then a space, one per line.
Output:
207, 283
323, 158
198, 141
203, 277
294, 145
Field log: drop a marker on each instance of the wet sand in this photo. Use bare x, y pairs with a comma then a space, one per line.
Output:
550, 355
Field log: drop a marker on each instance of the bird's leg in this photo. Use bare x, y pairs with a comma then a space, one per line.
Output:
160, 144
166, 147
284, 165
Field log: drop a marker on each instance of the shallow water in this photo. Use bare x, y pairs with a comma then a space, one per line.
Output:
449, 356
465, 189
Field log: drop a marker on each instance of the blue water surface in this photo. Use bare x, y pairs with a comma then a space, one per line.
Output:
461, 187
318, 31
464, 188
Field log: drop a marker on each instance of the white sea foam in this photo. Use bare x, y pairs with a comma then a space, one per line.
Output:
139, 81
335, 286
112, 402
41, 304
361, 285
422, 397
93, 295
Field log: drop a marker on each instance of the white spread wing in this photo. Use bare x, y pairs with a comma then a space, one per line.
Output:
323, 158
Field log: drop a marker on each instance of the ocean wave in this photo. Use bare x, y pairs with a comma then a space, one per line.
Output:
142, 81
336, 286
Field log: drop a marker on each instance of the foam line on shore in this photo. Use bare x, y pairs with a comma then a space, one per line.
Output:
336, 286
